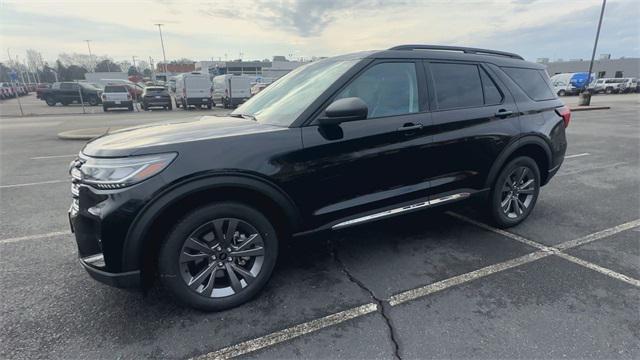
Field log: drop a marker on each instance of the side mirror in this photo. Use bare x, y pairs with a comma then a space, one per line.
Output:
343, 110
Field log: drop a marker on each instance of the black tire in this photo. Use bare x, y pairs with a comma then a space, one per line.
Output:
176, 274
104, 108
185, 106
131, 107
608, 91
51, 101
145, 108
64, 103
513, 198
93, 100
562, 93
169, 107
210, 106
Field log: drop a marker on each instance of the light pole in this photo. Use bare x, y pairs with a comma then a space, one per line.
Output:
90, 55
134, 62
585, 96
164, 56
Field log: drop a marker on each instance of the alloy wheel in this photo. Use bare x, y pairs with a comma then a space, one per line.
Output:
518, 192
222, 257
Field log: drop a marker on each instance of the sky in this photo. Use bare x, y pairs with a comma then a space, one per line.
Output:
304, 28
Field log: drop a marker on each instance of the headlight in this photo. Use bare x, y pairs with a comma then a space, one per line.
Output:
115, 173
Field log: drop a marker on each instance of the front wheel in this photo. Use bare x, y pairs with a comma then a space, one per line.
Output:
515, 192
93, 100
218, 256
562, 93
51, 101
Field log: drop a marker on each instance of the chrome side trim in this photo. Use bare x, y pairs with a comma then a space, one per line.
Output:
401, 209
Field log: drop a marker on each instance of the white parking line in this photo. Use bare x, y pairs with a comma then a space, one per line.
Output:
599, 235
600, 269
34, 183
53, 157
464, 278
289, 333
576, 155
34, 237
557, 250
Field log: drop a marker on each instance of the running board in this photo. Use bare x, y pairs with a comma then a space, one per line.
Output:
399, 210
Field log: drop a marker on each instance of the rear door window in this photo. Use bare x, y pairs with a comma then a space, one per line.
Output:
389, 89
531, 81
457, 85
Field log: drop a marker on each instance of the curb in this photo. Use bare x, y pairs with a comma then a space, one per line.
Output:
589, 108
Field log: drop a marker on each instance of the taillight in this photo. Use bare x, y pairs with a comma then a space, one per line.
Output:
566, 115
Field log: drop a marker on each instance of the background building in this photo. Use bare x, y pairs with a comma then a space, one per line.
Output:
268, 69
604, 67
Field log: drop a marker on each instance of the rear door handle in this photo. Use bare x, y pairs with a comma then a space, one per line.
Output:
410, 126
503, 113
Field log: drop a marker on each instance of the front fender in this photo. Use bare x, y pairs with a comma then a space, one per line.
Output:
134, 242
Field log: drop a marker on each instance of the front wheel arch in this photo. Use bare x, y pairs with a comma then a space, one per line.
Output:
151, 225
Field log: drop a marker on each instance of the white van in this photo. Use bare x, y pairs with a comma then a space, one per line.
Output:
232, 90
193, 89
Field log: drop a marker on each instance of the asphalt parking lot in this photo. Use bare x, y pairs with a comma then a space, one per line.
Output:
436, 284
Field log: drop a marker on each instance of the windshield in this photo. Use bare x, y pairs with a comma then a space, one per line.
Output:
284, 100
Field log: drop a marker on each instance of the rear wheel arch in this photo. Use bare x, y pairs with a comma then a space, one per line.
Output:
149, 229
531, 146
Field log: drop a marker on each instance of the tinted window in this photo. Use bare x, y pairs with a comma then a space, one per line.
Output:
388, 89
492, 95
457, 85
66, 86
115, 89
531, 81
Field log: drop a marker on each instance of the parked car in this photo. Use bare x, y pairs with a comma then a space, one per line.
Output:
606, 85
156, 96
564, 88
257, 87
116, 96
40, 88
193, 89
232, 90
70, 92
7, 90
336, 143
629, 85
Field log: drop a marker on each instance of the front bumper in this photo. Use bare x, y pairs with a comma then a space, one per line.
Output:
130, 279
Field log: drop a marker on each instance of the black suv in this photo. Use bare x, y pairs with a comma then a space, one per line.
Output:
339, 142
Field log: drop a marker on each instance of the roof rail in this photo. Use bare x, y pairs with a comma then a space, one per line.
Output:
466, 50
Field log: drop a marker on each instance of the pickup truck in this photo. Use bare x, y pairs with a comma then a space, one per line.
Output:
69, 92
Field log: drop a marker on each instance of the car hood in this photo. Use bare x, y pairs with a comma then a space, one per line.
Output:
152, 138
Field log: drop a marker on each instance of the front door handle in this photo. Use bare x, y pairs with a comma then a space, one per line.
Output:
410, 127
503, 113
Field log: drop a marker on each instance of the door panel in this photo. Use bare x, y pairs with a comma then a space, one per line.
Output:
360, 166
467, 140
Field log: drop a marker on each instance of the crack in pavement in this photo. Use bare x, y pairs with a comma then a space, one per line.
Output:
382, 305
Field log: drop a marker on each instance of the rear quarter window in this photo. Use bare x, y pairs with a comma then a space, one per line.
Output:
532, 81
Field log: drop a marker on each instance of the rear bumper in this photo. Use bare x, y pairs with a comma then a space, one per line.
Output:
131, 279
124, 103
199, 101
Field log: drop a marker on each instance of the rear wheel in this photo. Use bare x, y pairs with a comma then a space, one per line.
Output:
104, 108
93, 100
169, 107
608, 91
562, 93
515, 192
50, 101
131, 107
218, 256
